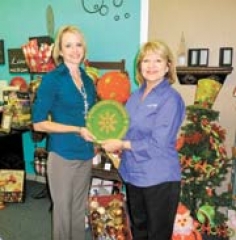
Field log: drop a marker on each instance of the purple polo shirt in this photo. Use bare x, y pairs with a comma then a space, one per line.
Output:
154, 125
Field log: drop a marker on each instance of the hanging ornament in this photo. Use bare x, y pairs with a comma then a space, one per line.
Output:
206, 214
209, 191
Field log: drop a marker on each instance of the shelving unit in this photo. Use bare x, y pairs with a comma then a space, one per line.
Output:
98, 171
191, 75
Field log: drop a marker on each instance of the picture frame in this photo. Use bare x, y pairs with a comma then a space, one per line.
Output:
2, 55
198, 57
193, 57
226, 57
17, 62
203, 57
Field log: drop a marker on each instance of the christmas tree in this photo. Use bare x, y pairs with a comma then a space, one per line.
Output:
204, 162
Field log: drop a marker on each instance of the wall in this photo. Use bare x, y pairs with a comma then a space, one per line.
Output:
206, 24
107, 39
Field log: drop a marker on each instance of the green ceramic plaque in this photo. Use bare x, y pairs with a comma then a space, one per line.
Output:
108, 119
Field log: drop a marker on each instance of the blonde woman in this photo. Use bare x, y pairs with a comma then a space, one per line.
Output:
66, 94
149, 161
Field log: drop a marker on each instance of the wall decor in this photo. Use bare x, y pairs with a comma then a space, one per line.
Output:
17, 62
226, 57
2, 56
198, 57
50, 23
38, 54
203, 57
103, 7
193, 57
182, 51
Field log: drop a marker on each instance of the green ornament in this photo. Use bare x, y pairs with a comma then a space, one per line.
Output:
206, 213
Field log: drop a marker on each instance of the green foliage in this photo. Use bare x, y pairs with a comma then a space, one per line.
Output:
204, 162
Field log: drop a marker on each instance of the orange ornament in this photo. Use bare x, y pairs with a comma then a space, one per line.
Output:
114, 86
19, 82
180, 142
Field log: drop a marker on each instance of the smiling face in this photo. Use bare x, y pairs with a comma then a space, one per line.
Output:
155, 61
72, 49
153, 67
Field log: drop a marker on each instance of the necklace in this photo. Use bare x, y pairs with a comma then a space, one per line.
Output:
84, 96
80, 86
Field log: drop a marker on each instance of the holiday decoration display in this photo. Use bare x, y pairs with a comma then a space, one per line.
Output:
114, 85
38, 58
207, 91
205, 163
185, 227
108, 217
108, 119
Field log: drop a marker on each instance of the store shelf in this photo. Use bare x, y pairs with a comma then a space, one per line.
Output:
191, 75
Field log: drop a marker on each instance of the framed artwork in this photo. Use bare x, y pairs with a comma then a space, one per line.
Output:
203, 57
226, 57
193, 57
2, 56
17, 62
198, 57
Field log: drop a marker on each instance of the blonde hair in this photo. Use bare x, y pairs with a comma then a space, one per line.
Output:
57, 44
165, 53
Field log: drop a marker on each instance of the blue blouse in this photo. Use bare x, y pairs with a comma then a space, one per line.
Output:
58, 97
154, 125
